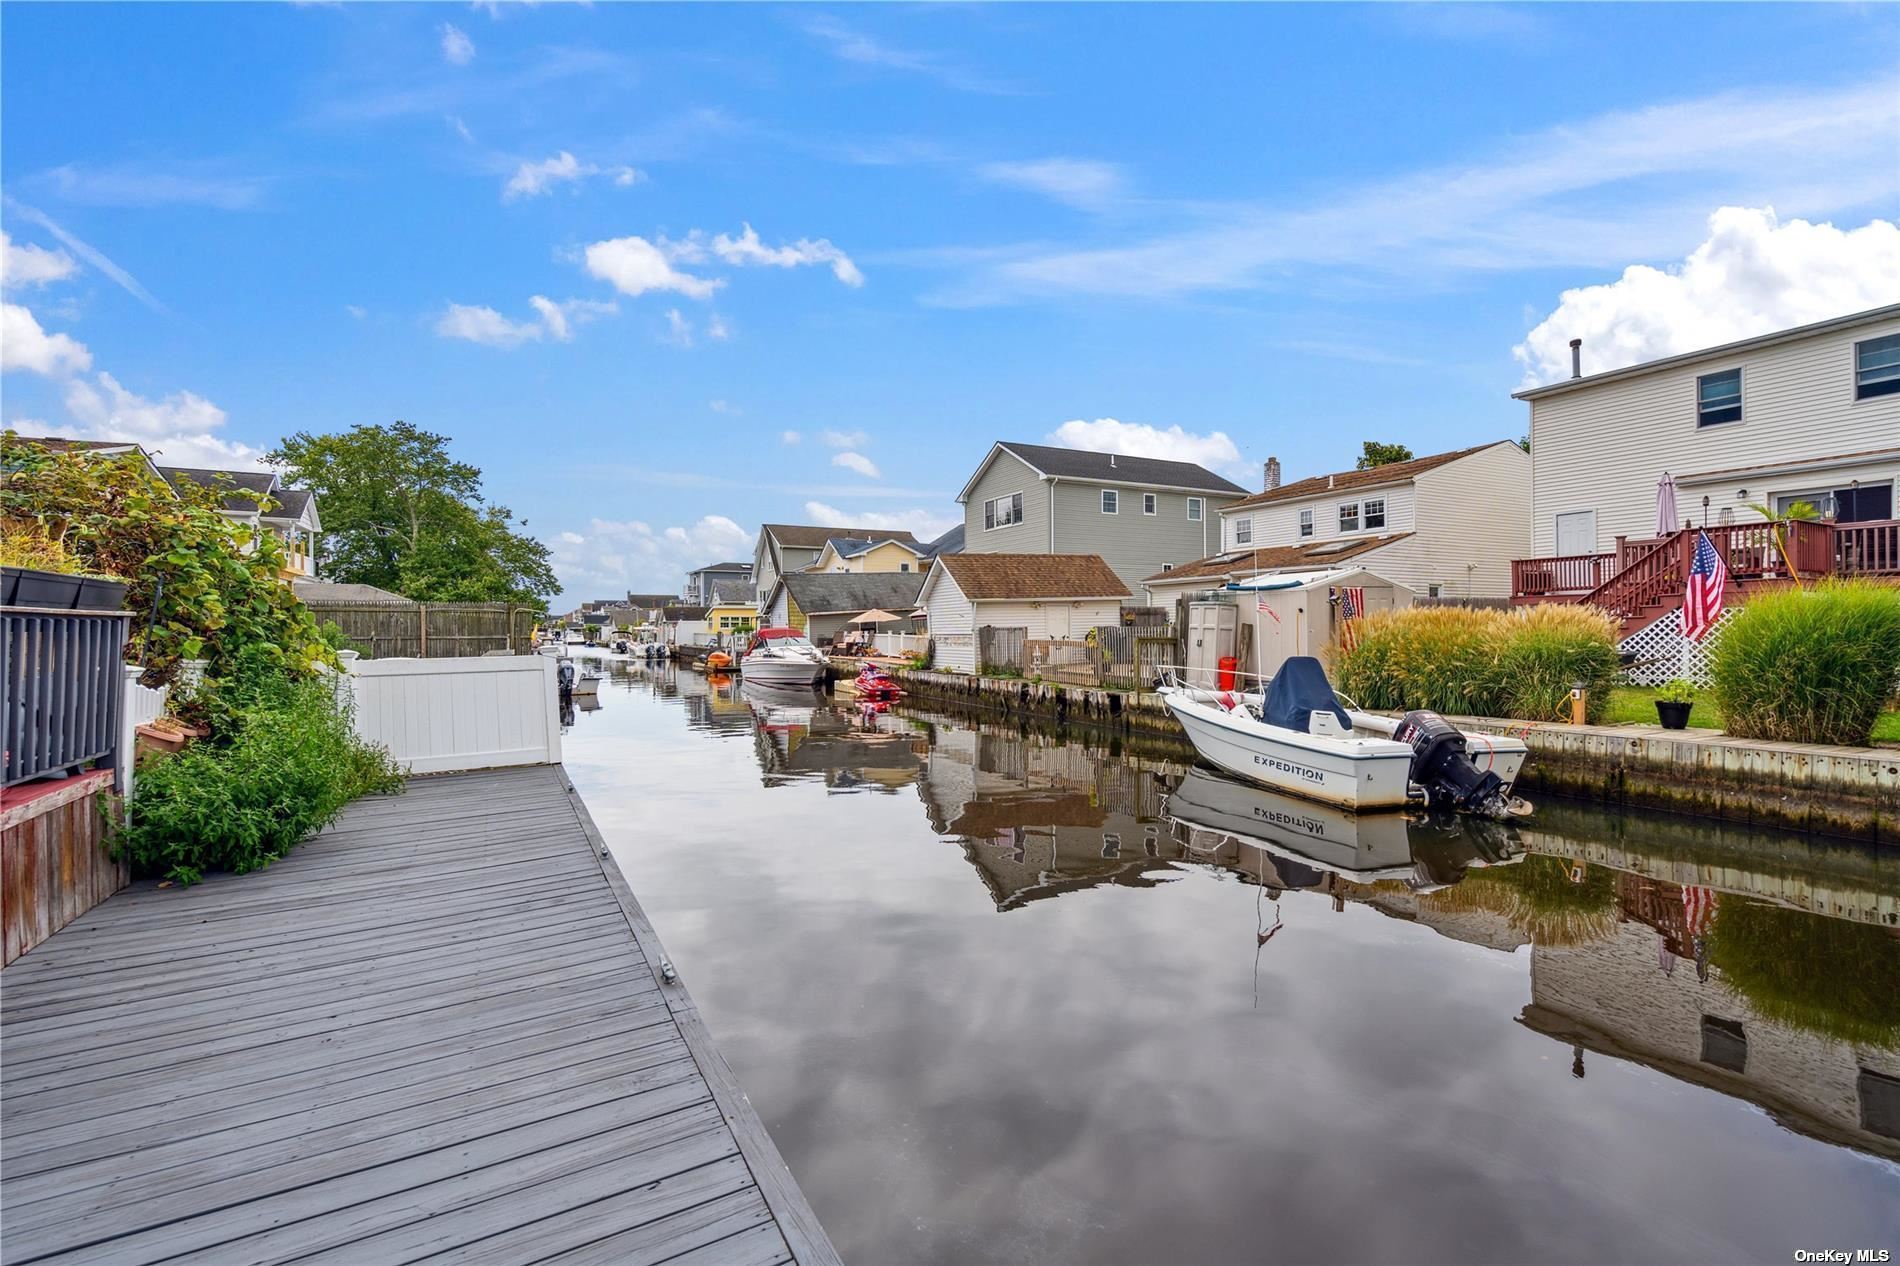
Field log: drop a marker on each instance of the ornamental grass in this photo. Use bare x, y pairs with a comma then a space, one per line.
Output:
1813, 665
1482, 662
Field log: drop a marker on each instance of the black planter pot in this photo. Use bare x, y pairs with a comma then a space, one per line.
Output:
1674, 716
52, 591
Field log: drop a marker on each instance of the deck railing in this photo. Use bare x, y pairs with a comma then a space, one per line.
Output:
64, 690
1867, 549
1566, 574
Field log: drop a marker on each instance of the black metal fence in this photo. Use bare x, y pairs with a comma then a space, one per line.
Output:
63, 690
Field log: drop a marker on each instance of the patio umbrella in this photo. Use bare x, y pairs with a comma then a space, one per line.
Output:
876, 615
1666, 520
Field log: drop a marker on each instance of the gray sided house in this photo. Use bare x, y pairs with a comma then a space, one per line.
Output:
1140, 514
824, 603
784, 548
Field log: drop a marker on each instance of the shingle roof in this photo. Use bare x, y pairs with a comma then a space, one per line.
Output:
1350, 480
60, 444
290, 502
721, 567
683, 613
649, 600
343, 591
1076, 463
1278, 558
987, 576
848, 593
950, 542
805, 536
852, 546
245, 486
730, 593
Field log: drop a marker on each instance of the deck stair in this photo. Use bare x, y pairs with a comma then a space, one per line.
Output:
1651, 583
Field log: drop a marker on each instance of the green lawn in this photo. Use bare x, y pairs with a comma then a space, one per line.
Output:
1636, 705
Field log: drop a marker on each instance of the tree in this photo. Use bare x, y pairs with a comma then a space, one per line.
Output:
200, 585
400, 513
1377, 454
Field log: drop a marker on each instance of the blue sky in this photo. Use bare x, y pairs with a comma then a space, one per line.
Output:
621, 254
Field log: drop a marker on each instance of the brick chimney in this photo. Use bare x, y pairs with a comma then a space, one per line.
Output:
1273, 474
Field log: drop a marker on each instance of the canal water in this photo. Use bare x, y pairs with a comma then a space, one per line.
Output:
1003, 997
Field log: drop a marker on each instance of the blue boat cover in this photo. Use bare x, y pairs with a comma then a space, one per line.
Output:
1299, 690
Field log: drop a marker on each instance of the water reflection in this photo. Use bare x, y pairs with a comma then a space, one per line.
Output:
1248, 999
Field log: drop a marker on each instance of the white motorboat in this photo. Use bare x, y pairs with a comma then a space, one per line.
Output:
783, 657
1296, 737
588, 683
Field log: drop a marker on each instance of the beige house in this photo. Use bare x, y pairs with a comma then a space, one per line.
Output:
855, 556
784, 548
1443, 526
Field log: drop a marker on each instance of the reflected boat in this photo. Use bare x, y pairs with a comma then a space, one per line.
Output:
780, 707
1364, 847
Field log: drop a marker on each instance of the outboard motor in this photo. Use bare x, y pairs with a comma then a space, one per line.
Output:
565, 677
1442, 766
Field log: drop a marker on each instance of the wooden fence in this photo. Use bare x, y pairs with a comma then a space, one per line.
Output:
999, 649
54, 864
430, 630
1117, 658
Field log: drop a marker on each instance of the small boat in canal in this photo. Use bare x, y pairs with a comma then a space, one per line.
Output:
1296, 737
874, 685
783, 657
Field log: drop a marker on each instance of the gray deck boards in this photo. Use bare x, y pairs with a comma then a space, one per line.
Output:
435, 1032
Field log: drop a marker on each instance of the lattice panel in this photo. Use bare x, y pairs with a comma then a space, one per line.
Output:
1659, 651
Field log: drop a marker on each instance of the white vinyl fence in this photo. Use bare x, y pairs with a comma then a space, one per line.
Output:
436, 715
143, 705
896, 644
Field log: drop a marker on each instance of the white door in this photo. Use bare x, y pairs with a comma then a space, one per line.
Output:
1576, 533
1210, 635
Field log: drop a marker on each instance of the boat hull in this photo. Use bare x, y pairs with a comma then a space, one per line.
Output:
1361, 774
781, 670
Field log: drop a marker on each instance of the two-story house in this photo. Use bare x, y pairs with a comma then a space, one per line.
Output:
292, 518
1444, 526
700, 581
783, 548
1140, 514
857, 555
1810, 414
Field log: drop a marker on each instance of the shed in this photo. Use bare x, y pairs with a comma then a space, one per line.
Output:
1298, 613
1047, 595
822, 603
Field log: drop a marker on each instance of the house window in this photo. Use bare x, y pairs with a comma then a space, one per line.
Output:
1167, 567
1111, 501
1150, 503
1718, 398
1877, 367
1243, 531
1349, 516
1431, 591
903, 567
1375, 512
1002, 511
1724, 1044
1306, 523
1196, 508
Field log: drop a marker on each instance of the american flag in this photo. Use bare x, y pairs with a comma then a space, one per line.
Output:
1708, 582
1352, 605
1697, 905
1267, 609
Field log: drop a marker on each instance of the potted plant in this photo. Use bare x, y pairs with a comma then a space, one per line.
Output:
1673, 702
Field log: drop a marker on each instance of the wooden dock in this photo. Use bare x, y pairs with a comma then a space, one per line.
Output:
440, 1030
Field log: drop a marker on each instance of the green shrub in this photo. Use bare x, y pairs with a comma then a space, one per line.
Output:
1827, 976
282, 761
1809, 665
1461, 660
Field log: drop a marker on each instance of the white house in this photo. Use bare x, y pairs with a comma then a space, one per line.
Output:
1047, 595
1443, 526
1811, 413
292, 518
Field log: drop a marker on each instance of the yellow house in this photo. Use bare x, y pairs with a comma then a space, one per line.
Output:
844, 554
732, 617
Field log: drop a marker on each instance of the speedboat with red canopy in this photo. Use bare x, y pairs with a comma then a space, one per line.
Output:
783, 656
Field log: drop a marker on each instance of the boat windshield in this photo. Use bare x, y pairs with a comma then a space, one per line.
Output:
778, 642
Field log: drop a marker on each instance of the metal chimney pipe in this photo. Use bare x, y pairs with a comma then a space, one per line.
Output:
1576, 358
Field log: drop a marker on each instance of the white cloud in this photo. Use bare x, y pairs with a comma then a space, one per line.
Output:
1081, 182
485, 326
560, 318
1594, 192
679, 331
24, 264
630, 554
25, 346
858, 462
627, 177
573, 538
716, 328
1751, 275
90, 254
356, 310
1137, 439
634, 266
180, 429
726, 407
747, 249
925, 525
457, 48
844, 439
531, 180
461, 128
144, 183
852, 45
790, 437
